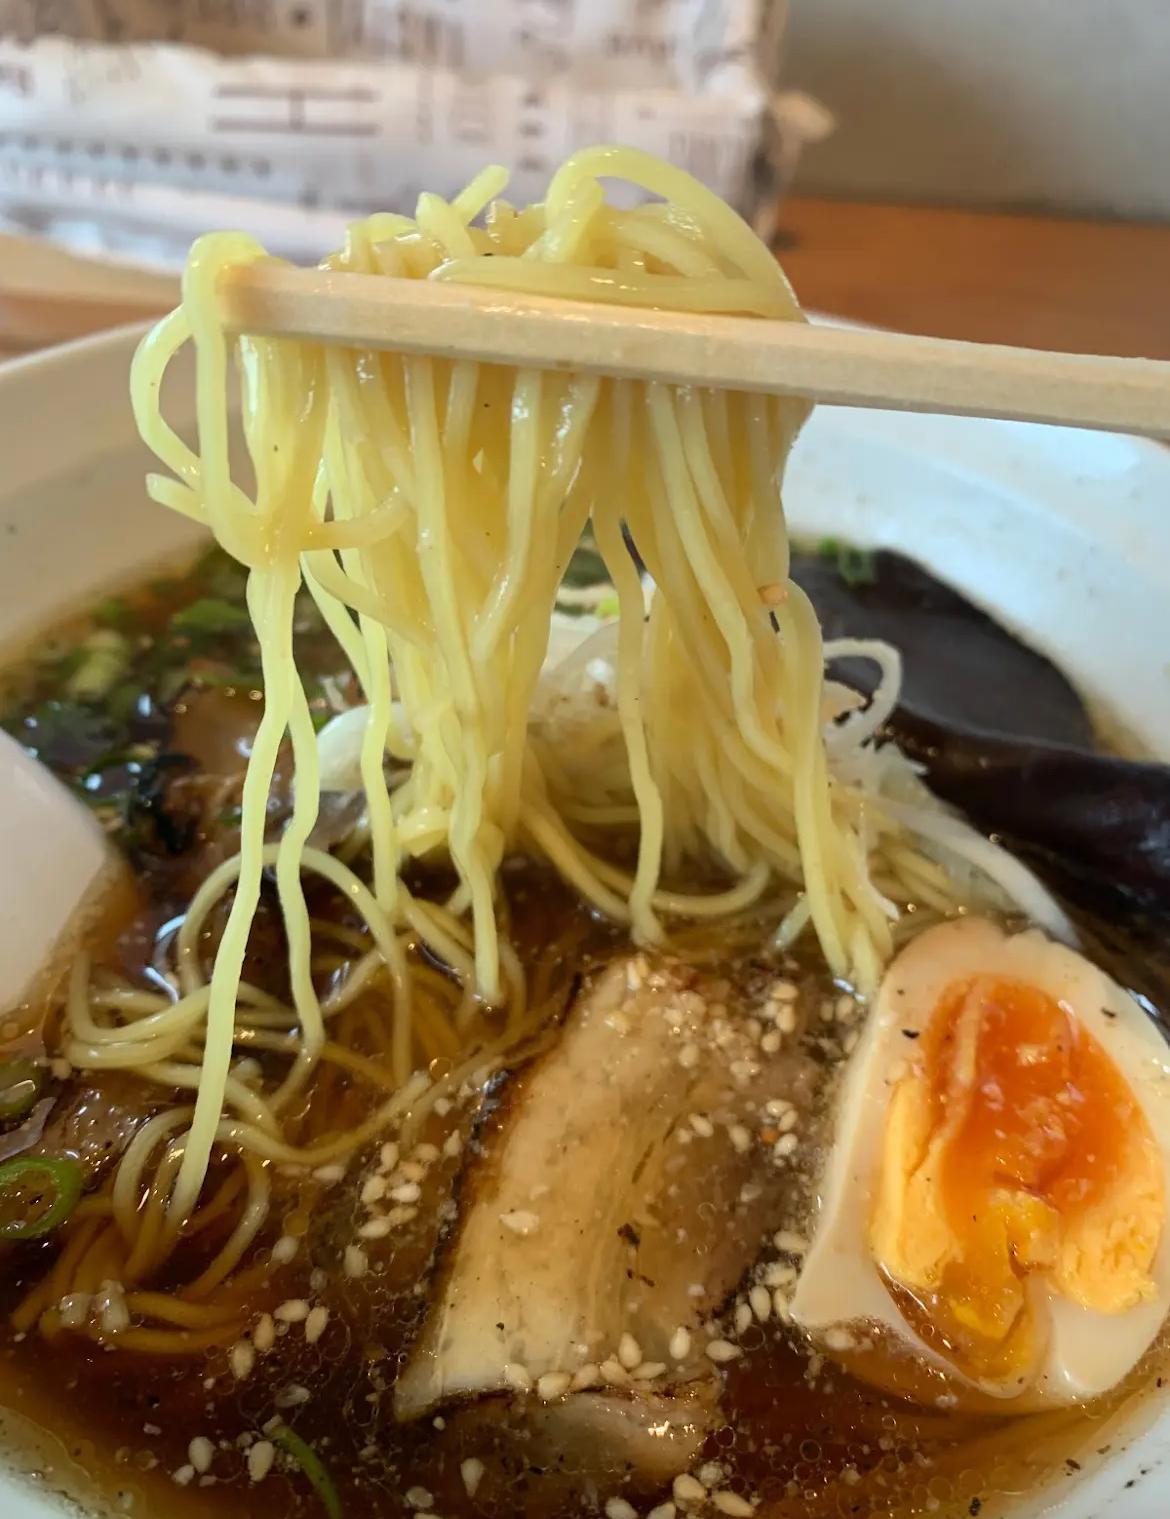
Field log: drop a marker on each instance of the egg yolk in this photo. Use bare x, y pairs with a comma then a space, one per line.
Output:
1014, 1148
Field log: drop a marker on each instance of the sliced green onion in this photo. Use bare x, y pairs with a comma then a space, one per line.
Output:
311, 1464
48, 1180
21, 1081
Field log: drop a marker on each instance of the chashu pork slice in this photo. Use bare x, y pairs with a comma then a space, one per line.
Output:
618, 1185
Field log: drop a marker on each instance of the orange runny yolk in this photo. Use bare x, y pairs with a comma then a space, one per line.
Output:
1013, 1147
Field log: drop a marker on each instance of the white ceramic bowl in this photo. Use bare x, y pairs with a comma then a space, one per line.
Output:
1063, 536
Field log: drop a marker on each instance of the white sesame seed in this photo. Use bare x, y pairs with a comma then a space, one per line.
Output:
780, 1303
388, 1156
260, 1459
329, 1174
285, 1249
60, 1069
294, 1311
377, 1228
399, 1216
845, 1009
839, 1339
453, 1144
471, 1471
663, 1511
588, 1376
850, 1475
702, 1125
200, 1453
418, 1497
374, 1190
731, 1503
408, 1192
618, 1508
264, 1334
761, 1300
521, 1222
688, 1489
786, 1019
411, 1170
849, 1044
242, 1359
722, 1351
292, 1396
788, 1121
782, 991
696, 1289
784, 1146
790, 1242
743, 1318
315, 1323
680, 1344
771, 1042
742, 1071
648, 1370
517, 1377
184, 1476
553, 1385
710, 1474
629, 1351
741, 1139
426, 1154
689, 1056
613, 1373
354, 1261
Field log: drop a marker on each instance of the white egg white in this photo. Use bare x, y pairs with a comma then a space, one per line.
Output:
1083, 1353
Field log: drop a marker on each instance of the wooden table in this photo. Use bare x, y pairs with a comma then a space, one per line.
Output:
1042, 281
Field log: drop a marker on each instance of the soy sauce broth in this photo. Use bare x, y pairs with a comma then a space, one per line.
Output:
153, 1435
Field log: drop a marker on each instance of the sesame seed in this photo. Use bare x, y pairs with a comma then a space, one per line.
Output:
629, 1351
294, 1311
377, 1228
849, 1042
618, 1508
689, 1056
398, 1216
285, 1249
731, 1503
292, 1396
785, 1019
200, 1453
722, 1351
453, 1144
408, 1192
780, 1303
242, 1359
839, 1339
771, 1042
702, 1125
742, 1071
680, 1344
782, 991
412, 1171
388, 1156
761, 1300
517, 1377
743, 1318
553, 1385
613, 1373
426, 1154
260, 1459
850, 1475
418, 1497
355, 1262
521, 1222
374, 1190
790, 1242
648, 1370
788, 1121
184, 1476
663, 1511
784, 1146
741, 1139
588, 1376
845, 1008
329, 1174
315, 1324
710, 1474
471, 1471
688, 1489
264, 1334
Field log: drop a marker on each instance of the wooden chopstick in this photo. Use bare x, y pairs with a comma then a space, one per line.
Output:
840, 366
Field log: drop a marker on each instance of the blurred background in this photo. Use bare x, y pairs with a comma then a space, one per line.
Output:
993, 170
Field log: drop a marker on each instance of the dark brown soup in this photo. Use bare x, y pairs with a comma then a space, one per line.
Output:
327, 1377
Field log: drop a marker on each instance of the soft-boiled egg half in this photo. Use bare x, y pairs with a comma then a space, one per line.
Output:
992, 1220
